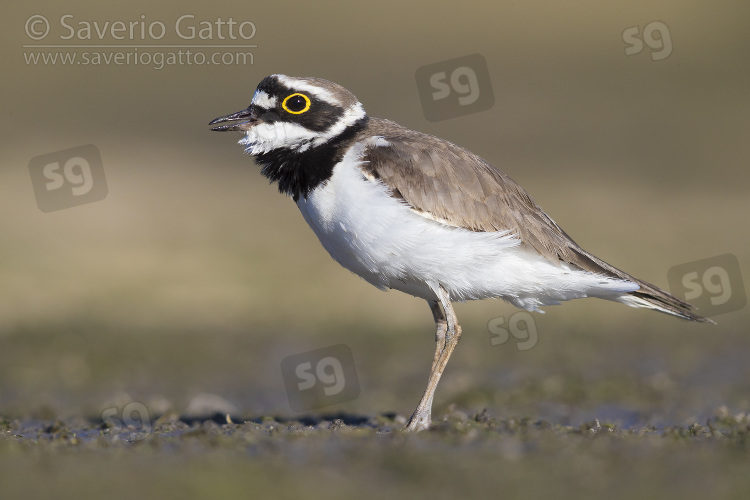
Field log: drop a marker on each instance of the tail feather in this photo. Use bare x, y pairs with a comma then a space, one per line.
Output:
648, 295
662, 302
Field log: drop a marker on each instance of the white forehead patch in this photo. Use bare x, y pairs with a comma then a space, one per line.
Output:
319, 92
262, 99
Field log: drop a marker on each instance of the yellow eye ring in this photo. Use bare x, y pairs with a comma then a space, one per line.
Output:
296, 104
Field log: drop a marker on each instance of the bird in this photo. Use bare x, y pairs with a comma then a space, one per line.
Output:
412, 212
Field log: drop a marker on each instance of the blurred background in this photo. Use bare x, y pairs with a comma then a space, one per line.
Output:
193, 279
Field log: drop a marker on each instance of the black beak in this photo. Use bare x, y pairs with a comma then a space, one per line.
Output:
236, 117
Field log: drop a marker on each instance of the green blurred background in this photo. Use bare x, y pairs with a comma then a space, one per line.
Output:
195, 277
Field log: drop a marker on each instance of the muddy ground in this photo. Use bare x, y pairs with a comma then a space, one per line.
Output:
187, 415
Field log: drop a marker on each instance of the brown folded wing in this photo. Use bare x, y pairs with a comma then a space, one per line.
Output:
446, 182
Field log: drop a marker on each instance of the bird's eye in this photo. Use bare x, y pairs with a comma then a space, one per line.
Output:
296, 104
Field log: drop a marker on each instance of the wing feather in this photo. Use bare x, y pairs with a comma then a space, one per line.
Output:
446, 182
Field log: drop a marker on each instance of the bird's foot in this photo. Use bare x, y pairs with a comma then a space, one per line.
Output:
420, 421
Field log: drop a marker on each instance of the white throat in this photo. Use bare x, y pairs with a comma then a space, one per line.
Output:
268, 136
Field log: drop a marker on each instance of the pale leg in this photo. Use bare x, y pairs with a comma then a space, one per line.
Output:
441, 325
447, 335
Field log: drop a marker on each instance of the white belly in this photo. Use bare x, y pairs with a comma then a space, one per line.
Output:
381, 239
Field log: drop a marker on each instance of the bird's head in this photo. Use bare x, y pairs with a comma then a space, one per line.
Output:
293, 114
